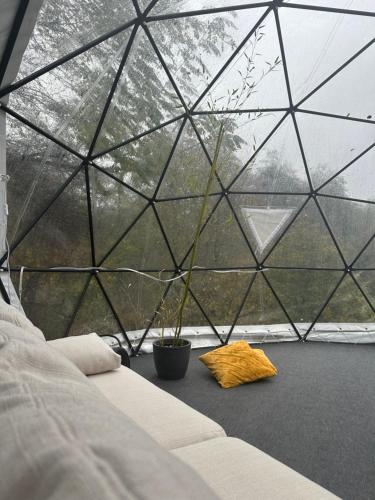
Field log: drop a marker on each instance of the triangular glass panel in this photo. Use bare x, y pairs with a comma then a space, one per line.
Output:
43, 167
331, 143
180, 219
307, 243
166, 6
61, 237
94, 314
336, 38
143, 247
352, 224
134, 297
49, 299
213, 290
243, 134
365, 5
350, 92
261, 308
265, 217
189, 168
250, 81
357, 181
367, 258
141, 162
143, 4
366, 280
68, 100
114, 208
222, 244
278, 166
303, 292
144, 97
64, 26
196, 47
347, 305
266, 223
167, 314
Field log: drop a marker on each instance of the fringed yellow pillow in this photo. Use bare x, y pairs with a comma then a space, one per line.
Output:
238, 363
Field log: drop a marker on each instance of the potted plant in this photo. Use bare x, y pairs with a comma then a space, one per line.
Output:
172, 354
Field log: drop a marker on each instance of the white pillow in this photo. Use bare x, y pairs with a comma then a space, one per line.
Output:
16, 317
89, 353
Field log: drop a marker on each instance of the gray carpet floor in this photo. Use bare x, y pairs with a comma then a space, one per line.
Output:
317, 415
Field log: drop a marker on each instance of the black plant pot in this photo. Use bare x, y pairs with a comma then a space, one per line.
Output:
171, 360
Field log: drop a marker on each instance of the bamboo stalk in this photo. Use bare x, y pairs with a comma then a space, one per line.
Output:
202, 214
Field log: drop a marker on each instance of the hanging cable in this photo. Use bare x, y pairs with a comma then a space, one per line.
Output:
20, 284
135, 271
4, 178
8, 264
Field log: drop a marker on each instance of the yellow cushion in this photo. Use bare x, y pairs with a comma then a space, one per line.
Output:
238, 363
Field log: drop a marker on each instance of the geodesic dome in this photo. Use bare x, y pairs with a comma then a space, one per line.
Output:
112, 122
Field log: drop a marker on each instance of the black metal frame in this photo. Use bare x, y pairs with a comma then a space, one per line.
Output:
88, 162
12, 38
